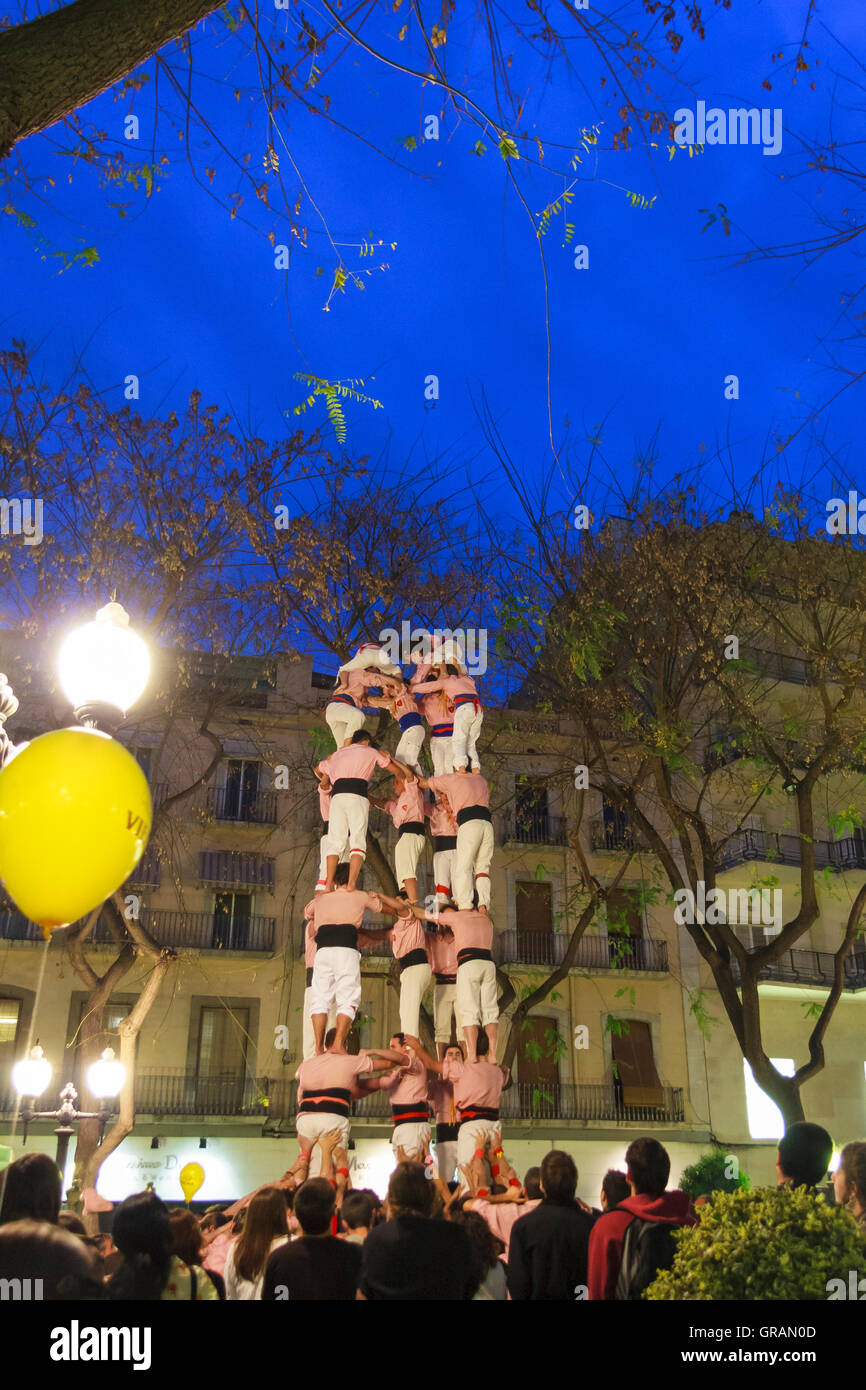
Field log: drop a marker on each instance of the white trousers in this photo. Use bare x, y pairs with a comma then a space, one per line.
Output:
312, 1126
467, 731
374, 658
336, 981
308, 1040
323, 862
410, 745
343, 721
446, 1159
406, 855
476, 993
443, 868
412, 1139
347, 824
444, 1007
472, 859
414, 983
472, 1135
440, 752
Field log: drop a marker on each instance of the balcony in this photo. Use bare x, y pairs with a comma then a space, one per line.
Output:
147, 872
615, 835
774, 848
811, 968
537, 828
232, 869
197, 931
232, 804
541, 1100
613, 952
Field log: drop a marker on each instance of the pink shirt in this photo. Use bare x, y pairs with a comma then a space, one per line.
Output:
455, 685
471, 929
404, 703
310, 943
461, 788
406, 1085
217, 1252
501, 1216
357, 682
407, 935
442, 951
408, 806
358, 760
475, 1083
442, 821
441, 1096
343, 905
331, 1069
433, 707
324, 803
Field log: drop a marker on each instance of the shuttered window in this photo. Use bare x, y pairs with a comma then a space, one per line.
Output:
624, 916
235, 869
534, 906
636, 1068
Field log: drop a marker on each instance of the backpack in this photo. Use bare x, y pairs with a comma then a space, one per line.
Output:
648, 1247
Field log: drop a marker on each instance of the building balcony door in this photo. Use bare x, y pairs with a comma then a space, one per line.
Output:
538, 1066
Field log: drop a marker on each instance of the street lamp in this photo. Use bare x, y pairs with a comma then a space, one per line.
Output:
103, 668
32, 1075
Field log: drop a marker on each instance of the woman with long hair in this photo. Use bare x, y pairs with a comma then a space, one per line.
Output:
30, 1190
186, 1243
488, 1248
142, 1234
849, 1180
265, 1228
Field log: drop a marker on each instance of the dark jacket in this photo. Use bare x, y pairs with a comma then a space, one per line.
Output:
547, 1258
605, 1255
418, 1258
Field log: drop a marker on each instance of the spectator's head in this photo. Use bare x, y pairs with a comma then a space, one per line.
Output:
358, 1209
648, 1166
804, 1155
486, 1245
314, 1206
341, 875
558, 1176
482, 1046
330, 1036
532, 1183
266, 1222
614, 1189
849, 1180
213, 1218
142, 1233
409, 1192
453, 1053
43, 1250
30, 1190
361, 736
71, 1223
185, 1236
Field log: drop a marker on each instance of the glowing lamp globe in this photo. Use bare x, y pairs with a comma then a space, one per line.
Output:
104, 662
32, 1075
75, 817
105, 1078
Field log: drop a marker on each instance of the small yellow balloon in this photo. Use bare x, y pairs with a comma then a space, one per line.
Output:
75, 817
191, 1178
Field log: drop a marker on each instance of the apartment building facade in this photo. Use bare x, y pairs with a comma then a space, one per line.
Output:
618, 1048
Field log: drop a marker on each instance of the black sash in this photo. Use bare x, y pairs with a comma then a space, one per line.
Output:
416, 957
309, 976
472, 953
337, 934
358, 786
474, 813
443, 842
477, 1112
411, 827
445, 979
329, 1100
446, 1134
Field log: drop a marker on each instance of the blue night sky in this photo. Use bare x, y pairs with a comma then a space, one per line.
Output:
185, 297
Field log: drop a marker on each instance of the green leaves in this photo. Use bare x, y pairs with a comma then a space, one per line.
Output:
333, 392
507, 148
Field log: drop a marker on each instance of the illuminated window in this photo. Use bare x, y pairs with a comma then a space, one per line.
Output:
765, 1117
9, 1012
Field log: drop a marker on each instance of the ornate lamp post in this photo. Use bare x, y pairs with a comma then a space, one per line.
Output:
32, 1076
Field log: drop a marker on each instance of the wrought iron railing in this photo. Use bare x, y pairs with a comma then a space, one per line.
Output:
613, 952
201, 931
233, 804
812, 968
536, 828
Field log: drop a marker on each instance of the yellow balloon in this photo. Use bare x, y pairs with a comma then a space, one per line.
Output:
191, 1178
75, 816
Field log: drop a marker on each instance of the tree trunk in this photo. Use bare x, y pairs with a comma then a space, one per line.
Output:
55, 64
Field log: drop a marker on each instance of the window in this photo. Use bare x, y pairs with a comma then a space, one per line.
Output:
221, 1061
531, 814
765, 1117
534, 906
143, 756
615, 827
240, 790
538, 1066
232, 913
624, 916
10, 1013
636, 1081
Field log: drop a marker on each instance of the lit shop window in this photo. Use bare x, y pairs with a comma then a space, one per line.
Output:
765, 1117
